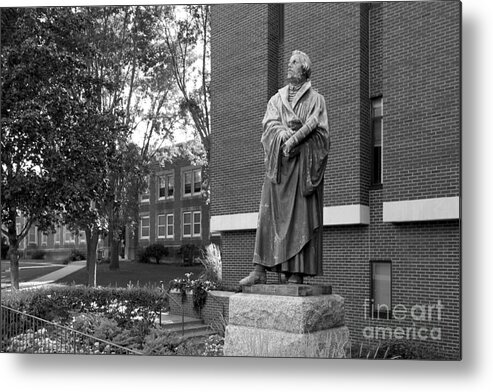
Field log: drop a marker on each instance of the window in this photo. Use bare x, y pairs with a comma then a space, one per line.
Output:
197, 181
192, 182
197, 223
69, 236
381, 287
44, 239
187, 224
170, 226
145, 195
192, 224
32, 235
145, 227
82, 237
22, 244
58, 235
165, 226
161, 226
377, 142
166, 186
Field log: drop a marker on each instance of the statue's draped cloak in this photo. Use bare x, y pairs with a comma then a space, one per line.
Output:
290, 222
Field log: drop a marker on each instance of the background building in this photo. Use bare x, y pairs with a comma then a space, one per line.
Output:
391, 77
173, 211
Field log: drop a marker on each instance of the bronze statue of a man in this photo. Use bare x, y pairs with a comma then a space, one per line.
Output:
296, 144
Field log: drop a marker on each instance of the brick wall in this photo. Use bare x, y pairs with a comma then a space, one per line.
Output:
421, 69
409, 54
239, 95
330, 34
176, 206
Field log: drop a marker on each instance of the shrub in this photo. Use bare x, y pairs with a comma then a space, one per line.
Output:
38, 254
77, 255
214, 345
160, 341
153, 251
189, 252
198, 287
394, 349
125, 306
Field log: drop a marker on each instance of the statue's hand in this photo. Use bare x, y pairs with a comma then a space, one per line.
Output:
285, 135
295, 124
288, 146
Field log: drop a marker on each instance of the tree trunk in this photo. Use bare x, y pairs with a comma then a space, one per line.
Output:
14, 257
114, 254
92, 245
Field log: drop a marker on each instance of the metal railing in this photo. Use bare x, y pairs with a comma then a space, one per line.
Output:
24, 333
166, 292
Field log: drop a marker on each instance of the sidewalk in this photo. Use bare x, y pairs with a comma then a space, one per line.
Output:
52, 276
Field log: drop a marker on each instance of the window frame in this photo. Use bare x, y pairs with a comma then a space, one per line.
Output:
168, 225
375, 311
191, 171
168, 178
376, 102
33, 230
44, 239
82, 237
158, 225
145, 196
71, 240
141, 226
188, 224
194, 213
57, 233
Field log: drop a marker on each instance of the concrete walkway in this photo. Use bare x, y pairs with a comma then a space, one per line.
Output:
52, 276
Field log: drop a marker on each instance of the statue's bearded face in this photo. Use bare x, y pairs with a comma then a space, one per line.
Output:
295, 69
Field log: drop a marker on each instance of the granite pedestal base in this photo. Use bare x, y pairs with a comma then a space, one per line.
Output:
286, 326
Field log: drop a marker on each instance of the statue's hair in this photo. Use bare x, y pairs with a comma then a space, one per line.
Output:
305, 62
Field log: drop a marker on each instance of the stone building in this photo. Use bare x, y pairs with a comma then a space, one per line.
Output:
390, 73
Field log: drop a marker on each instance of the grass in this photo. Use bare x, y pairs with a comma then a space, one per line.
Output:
28, 269
133, 273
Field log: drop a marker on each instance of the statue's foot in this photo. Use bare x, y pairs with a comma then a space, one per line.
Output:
255, 277
296, 279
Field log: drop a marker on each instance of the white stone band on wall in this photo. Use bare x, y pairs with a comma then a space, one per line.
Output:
356, 214
446, 208
443, 208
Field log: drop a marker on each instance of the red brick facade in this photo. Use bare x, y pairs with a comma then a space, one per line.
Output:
171, 232
409, 55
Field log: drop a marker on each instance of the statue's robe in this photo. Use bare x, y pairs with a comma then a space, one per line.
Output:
290, 222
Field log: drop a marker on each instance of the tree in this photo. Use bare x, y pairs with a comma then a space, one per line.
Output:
45, 87
187, 39
61, 126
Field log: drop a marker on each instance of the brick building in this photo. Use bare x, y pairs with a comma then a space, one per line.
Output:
390, 73
56, 244
173, 211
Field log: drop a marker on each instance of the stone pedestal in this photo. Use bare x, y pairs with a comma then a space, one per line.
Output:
265, 325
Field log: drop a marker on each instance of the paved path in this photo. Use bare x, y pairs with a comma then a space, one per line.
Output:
52, 276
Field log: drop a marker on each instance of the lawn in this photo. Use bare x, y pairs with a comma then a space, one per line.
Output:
132, 272
28, 269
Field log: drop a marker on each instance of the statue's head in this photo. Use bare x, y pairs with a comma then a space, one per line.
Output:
299, 66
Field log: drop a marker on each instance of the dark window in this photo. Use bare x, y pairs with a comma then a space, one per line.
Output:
381, 289
197, 180
187, 224
171, 185
377, 141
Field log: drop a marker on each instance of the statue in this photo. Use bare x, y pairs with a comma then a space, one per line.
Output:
296, 144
